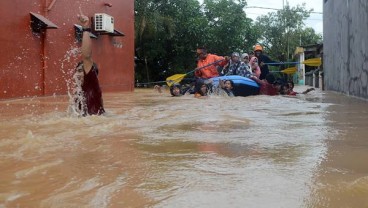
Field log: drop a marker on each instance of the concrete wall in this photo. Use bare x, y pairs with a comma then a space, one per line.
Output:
345, 40
37, 64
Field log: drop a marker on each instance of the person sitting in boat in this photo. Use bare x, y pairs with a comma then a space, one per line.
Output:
201, 90
212, 61
245, 58
88, 99
254, 66
263, 61
267, 86
236, 67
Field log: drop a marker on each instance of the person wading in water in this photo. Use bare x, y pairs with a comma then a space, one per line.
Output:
87, 95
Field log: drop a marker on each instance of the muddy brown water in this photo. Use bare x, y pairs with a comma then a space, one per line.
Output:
152, 150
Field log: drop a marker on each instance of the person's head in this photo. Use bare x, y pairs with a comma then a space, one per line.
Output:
285, 89
291, 85
201, 88
79, 72
235, 57
254, 62
258, 49
202, 52
277, 85
228, 84
245, 58
270, 78
175, 90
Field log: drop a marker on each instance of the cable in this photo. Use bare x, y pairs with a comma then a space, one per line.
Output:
258, 7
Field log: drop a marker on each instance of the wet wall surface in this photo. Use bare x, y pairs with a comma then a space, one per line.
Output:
34, 64
346, 46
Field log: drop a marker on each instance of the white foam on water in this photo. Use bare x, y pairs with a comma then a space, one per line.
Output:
105, 193
15, 196
36, 169
359, 186
77, 101
74, 81
65, 198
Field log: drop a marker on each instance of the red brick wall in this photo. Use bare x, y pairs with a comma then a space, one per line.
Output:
36, 65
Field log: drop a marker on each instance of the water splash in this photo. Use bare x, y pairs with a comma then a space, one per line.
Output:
104, 194
74, 80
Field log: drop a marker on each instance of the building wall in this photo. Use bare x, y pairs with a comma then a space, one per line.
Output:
34, 64
346, 46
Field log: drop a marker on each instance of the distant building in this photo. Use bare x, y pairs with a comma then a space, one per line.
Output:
39, 44
345, 40
309, 74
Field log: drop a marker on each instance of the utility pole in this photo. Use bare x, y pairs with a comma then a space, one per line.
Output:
287, 28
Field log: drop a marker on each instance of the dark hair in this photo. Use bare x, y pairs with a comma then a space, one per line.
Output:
94, 65
292, 84
172, 89
203, 48
270, 78
198, 87
79, 63
282, 91
280, 81
231, 82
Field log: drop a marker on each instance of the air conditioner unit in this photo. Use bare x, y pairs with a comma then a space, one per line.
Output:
104, 23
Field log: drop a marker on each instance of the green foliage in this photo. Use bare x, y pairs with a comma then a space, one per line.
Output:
165, 35
284, 30
167, 32
227, 24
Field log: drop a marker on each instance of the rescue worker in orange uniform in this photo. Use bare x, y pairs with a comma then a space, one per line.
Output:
212, 60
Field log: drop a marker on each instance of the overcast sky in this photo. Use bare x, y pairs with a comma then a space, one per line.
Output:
315, 20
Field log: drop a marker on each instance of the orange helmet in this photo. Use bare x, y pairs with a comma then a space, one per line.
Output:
258, 48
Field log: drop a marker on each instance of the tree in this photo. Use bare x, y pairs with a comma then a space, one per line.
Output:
165, 31
169, 31
228, 29
284, 30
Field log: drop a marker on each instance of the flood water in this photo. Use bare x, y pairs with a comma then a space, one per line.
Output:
153, 150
